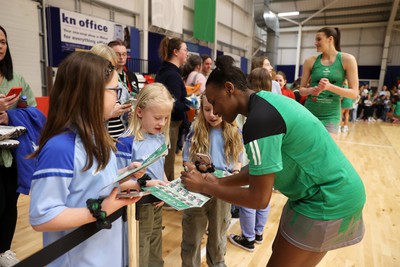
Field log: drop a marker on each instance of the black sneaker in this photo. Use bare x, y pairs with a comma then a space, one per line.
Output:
242, 242
259, 239
235, 213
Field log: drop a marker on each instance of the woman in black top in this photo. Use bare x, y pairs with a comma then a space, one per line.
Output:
174, 53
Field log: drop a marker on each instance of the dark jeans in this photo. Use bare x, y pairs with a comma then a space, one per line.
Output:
8, 205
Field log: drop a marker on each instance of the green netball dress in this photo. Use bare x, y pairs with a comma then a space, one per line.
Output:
347, 103
326, 106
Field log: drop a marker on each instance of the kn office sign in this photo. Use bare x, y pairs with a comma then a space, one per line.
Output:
70, 31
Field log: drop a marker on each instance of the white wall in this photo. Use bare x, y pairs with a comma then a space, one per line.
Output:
21, 21
365, 44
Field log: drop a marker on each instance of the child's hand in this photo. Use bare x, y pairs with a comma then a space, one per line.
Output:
111, 204
135, 165
156, 182
159, 204
189, 166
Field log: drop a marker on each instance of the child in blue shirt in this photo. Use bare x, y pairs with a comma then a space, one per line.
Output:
148, 129
76, 161
223, 142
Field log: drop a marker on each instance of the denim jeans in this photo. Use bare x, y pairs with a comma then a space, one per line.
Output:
252, 222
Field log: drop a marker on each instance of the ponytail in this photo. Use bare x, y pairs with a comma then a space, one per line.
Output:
225, 71
167, 47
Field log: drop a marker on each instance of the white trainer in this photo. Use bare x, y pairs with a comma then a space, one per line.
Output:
345, 129
8, 259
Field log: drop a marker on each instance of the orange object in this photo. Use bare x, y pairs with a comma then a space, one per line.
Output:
195, 89
191, 113
43, 104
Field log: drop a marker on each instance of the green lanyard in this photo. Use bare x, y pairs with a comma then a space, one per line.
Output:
124, 78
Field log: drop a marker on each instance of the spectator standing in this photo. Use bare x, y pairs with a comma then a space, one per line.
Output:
280, 77
263, 62
252, 221
117, 124
10, 173
174, 53
76, 164
207, 65
147, 131
346, 105
191, 72
126, 77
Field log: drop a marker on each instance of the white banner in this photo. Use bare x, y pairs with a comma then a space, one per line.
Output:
167, 14
85, 30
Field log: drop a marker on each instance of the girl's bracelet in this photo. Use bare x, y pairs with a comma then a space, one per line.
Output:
94, 206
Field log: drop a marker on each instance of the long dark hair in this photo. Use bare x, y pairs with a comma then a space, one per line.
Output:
335, 33
190, 65
6, 65
77, 103
225, 71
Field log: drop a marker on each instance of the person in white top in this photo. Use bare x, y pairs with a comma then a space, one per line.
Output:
263, 62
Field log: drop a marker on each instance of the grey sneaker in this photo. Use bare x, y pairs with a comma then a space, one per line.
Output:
242, 242
8, 259
259, 239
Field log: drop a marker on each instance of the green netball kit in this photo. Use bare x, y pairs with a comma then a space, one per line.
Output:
326, 106
322, 187
347, 103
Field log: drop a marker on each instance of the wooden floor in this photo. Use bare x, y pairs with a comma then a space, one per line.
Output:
374, 150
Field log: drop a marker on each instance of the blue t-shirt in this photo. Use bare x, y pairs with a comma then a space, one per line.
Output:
216, 152
59, 183
130, 150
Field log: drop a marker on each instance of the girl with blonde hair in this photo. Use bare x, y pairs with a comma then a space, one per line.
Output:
223, 142
148, 129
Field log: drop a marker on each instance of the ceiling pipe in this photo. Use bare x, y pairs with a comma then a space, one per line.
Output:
267, 20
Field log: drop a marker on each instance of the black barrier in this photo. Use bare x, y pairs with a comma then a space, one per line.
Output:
64, 244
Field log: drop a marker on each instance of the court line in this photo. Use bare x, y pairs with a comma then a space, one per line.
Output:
364, 144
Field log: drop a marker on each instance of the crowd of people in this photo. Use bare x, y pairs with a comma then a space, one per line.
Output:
254, 127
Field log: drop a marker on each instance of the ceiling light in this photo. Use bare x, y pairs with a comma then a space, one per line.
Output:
287, 14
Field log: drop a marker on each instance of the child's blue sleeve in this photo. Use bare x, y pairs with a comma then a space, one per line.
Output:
124, 151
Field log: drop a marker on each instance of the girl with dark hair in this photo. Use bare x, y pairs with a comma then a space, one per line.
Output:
174, 54
11, 183
191, 73
288, 149
76, 164
280, 78
325, 75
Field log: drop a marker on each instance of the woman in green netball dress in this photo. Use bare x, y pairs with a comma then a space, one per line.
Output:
325, 74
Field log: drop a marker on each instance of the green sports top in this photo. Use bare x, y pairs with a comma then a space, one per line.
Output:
326, 106
283, 137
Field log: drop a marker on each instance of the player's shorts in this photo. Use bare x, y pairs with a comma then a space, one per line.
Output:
320, 235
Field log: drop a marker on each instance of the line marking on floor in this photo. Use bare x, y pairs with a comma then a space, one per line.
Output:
363, 144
